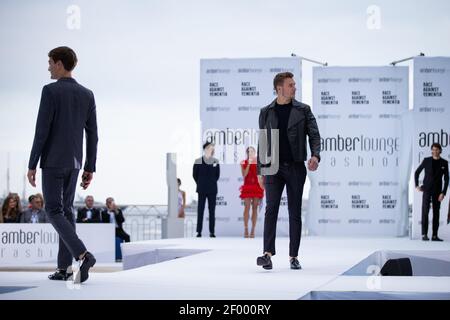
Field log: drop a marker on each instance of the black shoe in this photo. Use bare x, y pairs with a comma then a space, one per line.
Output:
212, 235
60, 274
87, 263
436, 238
199, 235
265, 262
295, 265
425, 238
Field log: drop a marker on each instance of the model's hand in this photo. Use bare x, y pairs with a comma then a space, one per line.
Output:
87, 178
441, 197
419, 189
261, 182
31, 175
313, 163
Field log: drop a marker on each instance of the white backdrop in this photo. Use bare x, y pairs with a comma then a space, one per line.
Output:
232, 93
432, 124
362, 182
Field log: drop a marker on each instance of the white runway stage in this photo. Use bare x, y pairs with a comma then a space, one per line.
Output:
225, 268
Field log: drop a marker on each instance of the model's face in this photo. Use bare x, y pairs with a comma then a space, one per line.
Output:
435, 152
288, 89
209, 151
89, 202
55, 68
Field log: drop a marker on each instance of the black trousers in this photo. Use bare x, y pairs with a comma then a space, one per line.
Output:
293, 175
58, 186
211, 208
120, 233
427, 198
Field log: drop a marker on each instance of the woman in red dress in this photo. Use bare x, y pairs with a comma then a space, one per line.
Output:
251, 191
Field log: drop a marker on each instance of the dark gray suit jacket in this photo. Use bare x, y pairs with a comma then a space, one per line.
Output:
66, 109
25, 217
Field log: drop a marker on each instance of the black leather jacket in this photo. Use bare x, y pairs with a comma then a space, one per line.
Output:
301, 123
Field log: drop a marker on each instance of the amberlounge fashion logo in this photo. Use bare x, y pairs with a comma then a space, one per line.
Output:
426, 139
28, 245
29, 237
361, 143
231, 144
368, 151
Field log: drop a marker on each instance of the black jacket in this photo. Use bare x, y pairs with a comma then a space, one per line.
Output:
66, 110
206, 175
120, 219
82, 214
301, 123
432, 181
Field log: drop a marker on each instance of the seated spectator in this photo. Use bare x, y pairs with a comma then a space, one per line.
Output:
112, 214
34, 213
11, 209
89, 213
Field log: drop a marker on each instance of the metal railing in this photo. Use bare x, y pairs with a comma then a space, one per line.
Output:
144, 222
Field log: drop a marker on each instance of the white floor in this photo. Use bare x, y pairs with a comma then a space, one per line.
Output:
229, 271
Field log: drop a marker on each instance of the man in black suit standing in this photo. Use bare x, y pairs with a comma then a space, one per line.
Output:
432, 188
66, 110
206, 173
284, 165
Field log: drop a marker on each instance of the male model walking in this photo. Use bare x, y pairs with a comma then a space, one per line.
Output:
66, 110
294, 121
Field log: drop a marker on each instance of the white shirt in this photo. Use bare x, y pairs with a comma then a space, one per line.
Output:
112, 218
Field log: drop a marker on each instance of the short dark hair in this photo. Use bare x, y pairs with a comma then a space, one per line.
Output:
436, 145
207, 143
31, 198
280, 77
66, 55
179, 180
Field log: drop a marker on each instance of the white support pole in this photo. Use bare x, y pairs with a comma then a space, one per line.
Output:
172, 226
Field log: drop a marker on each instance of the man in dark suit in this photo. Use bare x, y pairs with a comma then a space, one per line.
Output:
88, 214
66, 110
284, 165
206, 173
432, 188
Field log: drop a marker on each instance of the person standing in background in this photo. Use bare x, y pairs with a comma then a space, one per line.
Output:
206, 173
251, 191
181, 200
436, 168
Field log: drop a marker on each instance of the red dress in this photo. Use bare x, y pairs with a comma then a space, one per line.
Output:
251, 188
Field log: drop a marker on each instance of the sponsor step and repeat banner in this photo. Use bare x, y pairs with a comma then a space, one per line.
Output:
361, 187
432, 124
232, 93
28, 243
